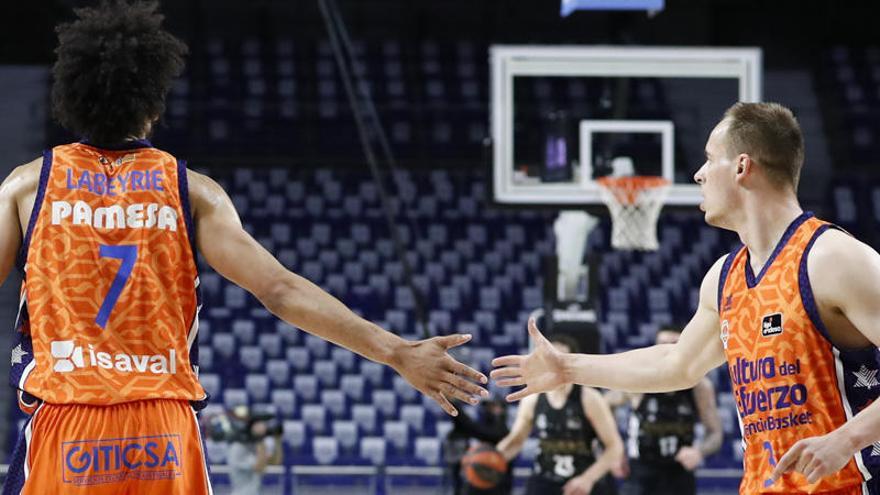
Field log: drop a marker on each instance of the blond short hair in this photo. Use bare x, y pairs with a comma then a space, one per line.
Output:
771, 135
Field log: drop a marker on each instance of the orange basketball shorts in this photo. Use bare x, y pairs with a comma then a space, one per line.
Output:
143, 447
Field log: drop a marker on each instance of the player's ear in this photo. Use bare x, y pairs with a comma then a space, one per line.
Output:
743, 165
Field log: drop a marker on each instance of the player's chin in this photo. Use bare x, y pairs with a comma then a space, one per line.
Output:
712, 218
710, 215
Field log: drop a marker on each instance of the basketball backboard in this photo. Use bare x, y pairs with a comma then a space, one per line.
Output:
563, 116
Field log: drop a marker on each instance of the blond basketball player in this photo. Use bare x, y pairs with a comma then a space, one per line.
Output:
105, 232
794, 312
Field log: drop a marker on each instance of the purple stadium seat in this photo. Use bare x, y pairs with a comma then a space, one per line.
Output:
299, 359
335, 402
224, 344
326, 372
315, 416
244, 331
252, 358
374, 449
442, 428
306, 386
285, 402
365, 417
386, 402
257, 387
325, 449
234, 397
397, 433
414, 416
353, 387
271, 344
296, 435
318, 347
346, 433
344, 359
211, 383
374, 373
234, 297
427, 449
398, 319
206, 358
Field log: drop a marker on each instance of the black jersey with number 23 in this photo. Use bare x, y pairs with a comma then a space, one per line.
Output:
566, 438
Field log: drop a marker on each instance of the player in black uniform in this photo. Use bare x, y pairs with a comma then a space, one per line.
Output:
660, 446
568, 421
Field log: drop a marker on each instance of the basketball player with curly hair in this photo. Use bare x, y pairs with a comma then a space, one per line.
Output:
105, 232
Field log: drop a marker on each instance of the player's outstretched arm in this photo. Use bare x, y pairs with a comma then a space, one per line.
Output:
845, 278
511, 445
16, 190
659, 368
599, 414
230, 250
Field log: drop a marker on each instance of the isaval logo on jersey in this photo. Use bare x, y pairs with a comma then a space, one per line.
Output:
771, 325
70, 357
98, 462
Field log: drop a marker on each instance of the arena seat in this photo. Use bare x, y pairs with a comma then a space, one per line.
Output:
306, 386
373, 449
336, 403
285, 402
385, 402
315, 416
325, 449
278, 372
257, 386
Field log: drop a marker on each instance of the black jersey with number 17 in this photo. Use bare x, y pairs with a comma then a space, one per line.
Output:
566, 438
661, 425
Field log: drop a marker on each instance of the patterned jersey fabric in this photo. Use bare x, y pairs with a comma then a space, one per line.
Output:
790, 382
110, 297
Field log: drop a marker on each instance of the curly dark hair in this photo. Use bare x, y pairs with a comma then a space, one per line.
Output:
114, 69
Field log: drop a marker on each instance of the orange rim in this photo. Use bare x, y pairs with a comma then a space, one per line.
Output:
626, 190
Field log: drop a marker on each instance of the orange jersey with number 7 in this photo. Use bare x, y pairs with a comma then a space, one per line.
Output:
109, 303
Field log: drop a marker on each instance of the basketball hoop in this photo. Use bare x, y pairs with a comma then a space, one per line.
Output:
635, 204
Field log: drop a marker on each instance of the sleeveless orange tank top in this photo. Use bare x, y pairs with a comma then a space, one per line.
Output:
788, 379
109, 303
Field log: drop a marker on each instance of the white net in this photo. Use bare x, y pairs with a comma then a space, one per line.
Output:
635, 204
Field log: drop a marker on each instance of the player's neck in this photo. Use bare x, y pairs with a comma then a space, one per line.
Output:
764, 224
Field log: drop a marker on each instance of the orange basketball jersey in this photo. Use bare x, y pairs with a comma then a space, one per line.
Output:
110, 301
789, 381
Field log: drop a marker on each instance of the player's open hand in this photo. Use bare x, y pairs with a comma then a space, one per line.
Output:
814, 457
427, 366
540, 371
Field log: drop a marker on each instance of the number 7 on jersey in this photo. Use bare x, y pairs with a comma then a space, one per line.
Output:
128, 255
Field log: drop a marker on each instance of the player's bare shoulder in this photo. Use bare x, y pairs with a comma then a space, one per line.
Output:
20, 187
709, 286
838, 263
834, 247
23, 179
204, 192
